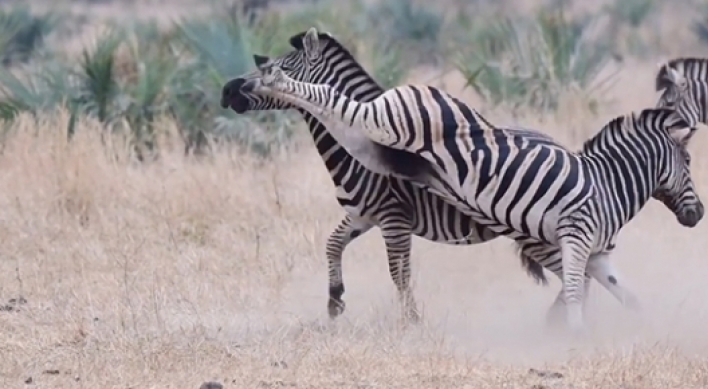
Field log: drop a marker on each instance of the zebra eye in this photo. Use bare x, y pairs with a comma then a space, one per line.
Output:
686, 158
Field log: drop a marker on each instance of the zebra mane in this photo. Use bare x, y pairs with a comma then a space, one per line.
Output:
644, 120
331, 43
401, 162
689, 67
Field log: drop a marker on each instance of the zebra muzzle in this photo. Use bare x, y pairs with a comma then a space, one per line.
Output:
232, 96
692, 216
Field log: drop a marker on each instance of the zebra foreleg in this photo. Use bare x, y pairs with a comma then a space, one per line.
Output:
535, 256
555, 312
397, 238
348, 230
575, 252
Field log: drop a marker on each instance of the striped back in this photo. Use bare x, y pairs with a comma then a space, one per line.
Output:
684, 86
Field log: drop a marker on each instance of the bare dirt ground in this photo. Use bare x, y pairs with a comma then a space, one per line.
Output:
117, 275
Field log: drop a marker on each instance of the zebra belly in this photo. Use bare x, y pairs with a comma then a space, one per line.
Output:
435, 220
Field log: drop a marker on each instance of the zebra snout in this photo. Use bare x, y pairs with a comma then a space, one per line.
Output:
230, 90
692, 216
232, 96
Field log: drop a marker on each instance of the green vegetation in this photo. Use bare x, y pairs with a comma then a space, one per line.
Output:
531, 61
417, 27
626, 18
22, 33
700, 26
136, 74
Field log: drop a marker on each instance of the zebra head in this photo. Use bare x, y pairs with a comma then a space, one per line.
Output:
675, 188
313, 54
684, 82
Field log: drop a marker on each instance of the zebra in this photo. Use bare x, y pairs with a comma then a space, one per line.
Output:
683, 83
399, 208
520, 187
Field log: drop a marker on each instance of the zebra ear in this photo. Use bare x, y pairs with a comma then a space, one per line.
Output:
683, 135
662, 79
675, 77
260, 60
296, 40
311, 43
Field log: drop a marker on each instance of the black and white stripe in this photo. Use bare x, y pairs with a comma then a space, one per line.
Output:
399, 208
522, 187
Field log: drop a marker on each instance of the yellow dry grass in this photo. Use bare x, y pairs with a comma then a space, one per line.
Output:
115, 274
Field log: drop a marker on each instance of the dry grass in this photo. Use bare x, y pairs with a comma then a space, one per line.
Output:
166, 275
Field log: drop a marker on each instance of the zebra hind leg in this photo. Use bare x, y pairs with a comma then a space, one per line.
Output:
348, 230
397, 237
600, 267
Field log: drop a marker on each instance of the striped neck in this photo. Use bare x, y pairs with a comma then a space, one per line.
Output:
628, 168
351, 123
342, 72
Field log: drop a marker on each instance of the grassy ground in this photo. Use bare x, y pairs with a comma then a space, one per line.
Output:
169, 274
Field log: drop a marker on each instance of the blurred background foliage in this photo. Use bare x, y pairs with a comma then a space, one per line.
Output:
133, 74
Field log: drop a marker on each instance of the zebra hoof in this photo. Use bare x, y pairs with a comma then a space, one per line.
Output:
335, 308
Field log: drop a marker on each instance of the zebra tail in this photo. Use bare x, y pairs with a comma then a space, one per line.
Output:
533, 268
